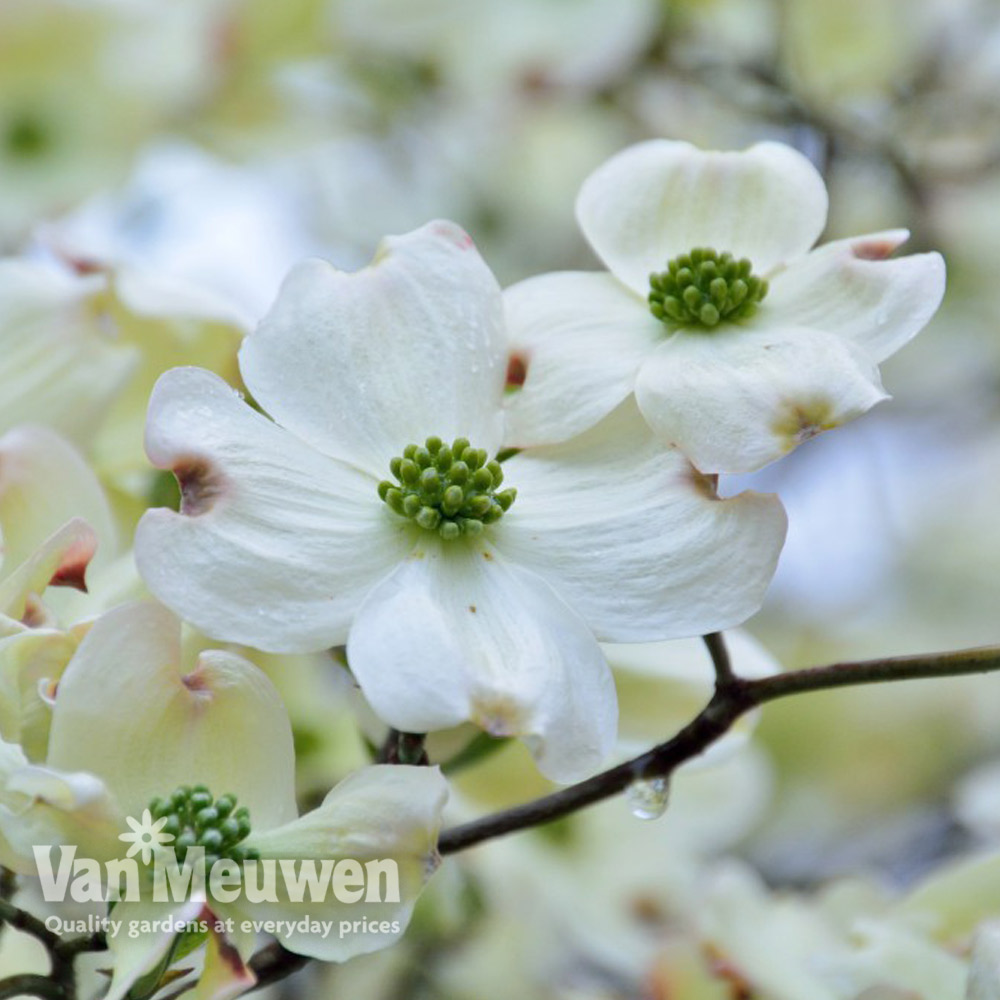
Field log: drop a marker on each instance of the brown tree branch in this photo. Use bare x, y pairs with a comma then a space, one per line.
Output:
20, 920
402, 748
274, 963
720, 658
31, 985
61, 980
733, 697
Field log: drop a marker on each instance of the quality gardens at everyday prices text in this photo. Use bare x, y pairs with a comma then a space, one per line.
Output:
112, 928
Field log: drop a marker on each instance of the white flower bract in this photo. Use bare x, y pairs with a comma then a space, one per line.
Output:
283, 543
743, 393
130, 726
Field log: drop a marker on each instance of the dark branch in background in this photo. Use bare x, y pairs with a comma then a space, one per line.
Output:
720, 658
29, 985
733, 697
60, 983
274, 963
20, 920
403, 748
763, 92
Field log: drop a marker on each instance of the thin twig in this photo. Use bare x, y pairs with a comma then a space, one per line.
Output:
22, 920
31, 985
62, 952
403, 748
695, 737
274, 963
731, 700
388, 748
63, 958
69, 948
961, 663
720, 658
8, 883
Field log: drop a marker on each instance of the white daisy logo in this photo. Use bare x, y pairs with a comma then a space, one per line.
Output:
146, 835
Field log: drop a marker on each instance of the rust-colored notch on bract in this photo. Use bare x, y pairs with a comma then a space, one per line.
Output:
196, 682
72, 568
201, 485
517, 371
800, 420
874, 249
707, 484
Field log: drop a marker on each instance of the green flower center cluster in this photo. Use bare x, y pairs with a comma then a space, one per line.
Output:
451, 489
196, 819
705, 288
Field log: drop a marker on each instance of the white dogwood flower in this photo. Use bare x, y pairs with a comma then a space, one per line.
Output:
371, 511
738, 341
205, 757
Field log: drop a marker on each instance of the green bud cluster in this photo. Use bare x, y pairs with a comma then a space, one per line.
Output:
705, 288
196, 819
451, 489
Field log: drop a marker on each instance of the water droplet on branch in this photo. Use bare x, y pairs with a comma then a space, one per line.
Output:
648, 798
